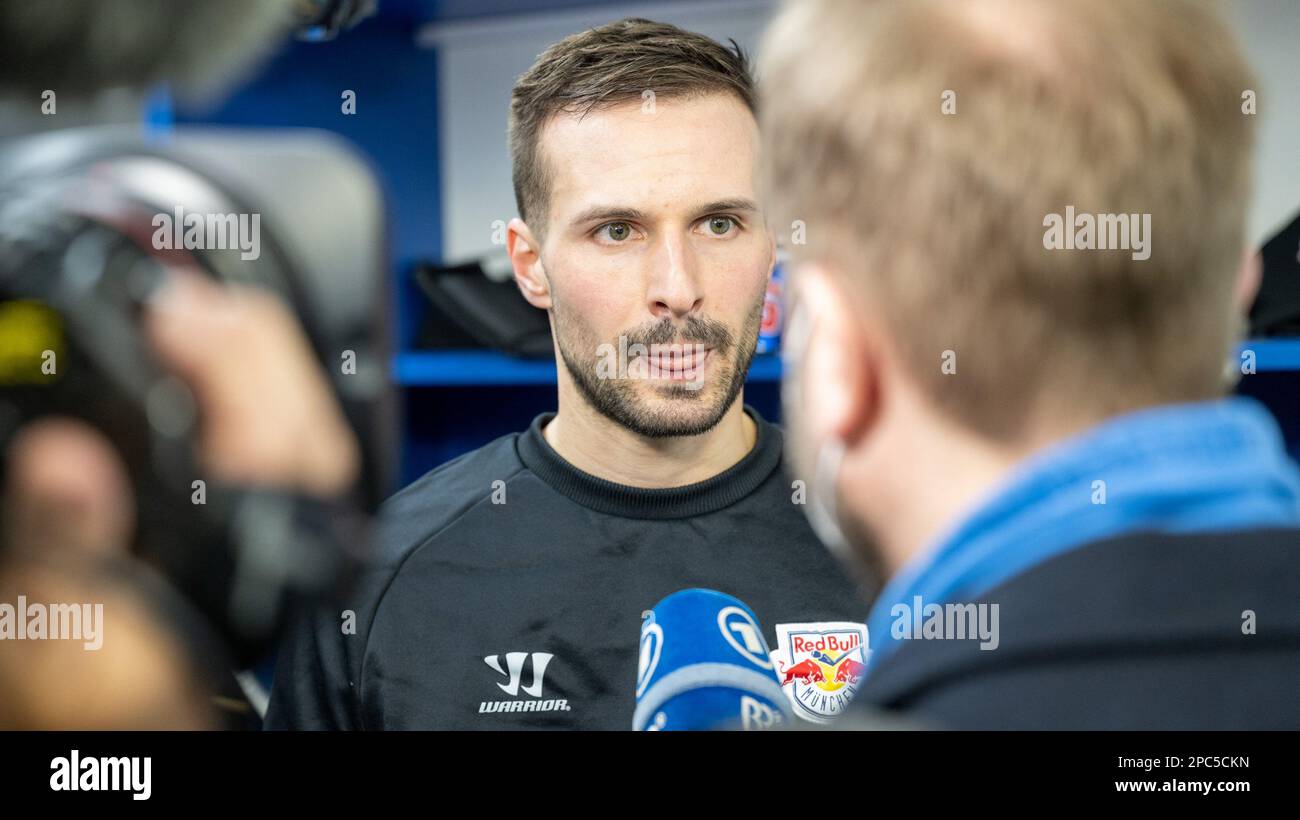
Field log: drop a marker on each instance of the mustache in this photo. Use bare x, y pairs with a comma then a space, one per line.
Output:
693, 330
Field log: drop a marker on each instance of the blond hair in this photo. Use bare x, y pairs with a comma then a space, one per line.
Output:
924, 143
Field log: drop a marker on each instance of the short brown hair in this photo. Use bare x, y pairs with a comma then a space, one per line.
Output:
603, 67
936, 216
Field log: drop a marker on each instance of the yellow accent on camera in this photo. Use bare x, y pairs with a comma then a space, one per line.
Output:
31, 343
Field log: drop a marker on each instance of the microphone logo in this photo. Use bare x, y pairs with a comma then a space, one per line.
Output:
652, 644
744, 635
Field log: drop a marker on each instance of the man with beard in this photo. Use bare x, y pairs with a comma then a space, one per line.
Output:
511, 581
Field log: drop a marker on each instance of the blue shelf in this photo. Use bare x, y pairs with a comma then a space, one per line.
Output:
1275, 354
466, 368
454, 368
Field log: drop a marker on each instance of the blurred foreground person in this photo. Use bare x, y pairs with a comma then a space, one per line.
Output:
1022, 278
90, 638
145, 659
88, 643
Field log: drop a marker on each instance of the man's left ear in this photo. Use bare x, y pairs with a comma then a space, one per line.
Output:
526, 259
839, 383
1250, 275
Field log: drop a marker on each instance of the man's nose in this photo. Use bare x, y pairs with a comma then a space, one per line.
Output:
674, 290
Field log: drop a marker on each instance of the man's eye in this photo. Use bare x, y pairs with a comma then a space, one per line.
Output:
615, 231
720, 225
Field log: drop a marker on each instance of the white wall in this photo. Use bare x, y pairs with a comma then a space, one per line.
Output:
1270, 31
479, 61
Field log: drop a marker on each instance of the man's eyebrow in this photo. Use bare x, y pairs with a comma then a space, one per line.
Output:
610, 212
603, 212
733, 204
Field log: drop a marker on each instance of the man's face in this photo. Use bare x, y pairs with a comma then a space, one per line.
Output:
657, 258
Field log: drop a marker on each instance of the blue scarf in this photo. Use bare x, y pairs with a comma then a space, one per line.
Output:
1187, 468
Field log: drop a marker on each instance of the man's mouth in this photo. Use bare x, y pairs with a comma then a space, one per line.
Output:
677, 362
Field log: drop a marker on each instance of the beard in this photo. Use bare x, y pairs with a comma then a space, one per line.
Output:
673, 409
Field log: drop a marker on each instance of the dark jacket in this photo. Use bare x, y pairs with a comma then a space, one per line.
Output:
1143, 631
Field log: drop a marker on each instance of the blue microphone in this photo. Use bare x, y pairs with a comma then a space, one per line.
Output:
705, 665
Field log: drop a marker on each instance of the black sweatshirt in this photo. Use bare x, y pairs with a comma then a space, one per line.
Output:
508, 589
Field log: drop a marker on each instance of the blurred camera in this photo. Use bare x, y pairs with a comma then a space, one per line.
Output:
90, 222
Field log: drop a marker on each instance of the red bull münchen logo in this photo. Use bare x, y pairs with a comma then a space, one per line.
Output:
820, 665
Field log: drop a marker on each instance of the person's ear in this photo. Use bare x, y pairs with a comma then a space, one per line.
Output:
526, 259
1250, 274
839, 378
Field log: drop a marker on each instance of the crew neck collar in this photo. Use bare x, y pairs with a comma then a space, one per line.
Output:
712, 494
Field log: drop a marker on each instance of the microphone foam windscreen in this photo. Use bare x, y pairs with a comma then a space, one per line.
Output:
704, 665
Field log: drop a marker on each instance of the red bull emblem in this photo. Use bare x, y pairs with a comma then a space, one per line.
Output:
820, 666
